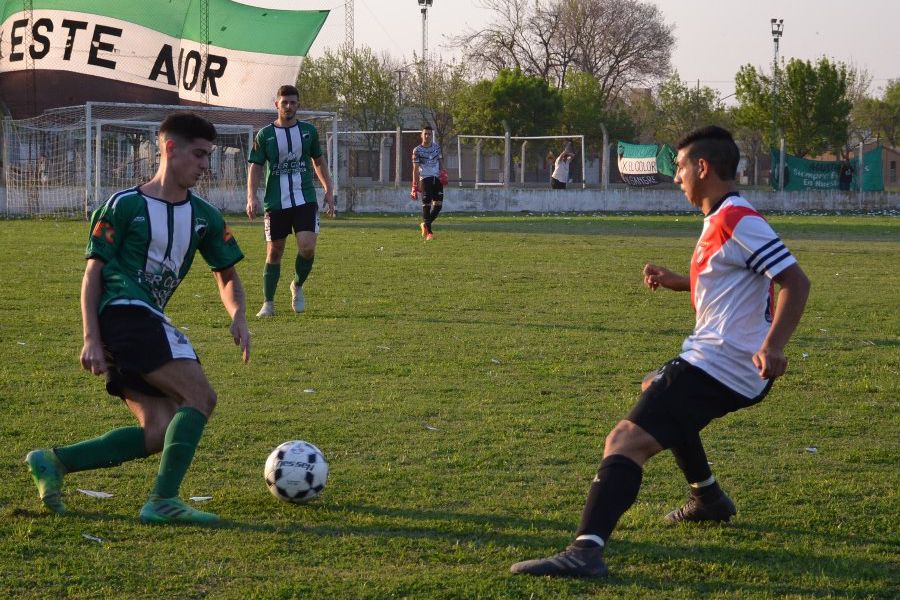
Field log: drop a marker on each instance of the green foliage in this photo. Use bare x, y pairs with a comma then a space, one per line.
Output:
584, 109
681, 108
462, 389
879, 118
438, 88
813, 105
357, 84
527, 104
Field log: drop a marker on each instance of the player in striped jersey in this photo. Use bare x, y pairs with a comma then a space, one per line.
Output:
142, 244
729, 362
429, 179
290, 150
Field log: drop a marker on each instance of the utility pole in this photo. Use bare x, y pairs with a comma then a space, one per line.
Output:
424, 6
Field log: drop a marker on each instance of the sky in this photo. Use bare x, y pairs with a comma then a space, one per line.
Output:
714, 38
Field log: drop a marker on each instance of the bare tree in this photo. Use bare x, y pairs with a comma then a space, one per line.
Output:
621, 43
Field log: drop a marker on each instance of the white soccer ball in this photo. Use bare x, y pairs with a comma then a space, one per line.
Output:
296, 471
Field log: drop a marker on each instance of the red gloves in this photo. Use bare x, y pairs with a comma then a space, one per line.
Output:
444, 179
414, 192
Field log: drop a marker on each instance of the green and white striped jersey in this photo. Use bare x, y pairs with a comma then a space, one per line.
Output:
147, 246
287, 154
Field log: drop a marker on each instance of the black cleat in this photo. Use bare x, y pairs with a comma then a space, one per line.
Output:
719, 510
571, 562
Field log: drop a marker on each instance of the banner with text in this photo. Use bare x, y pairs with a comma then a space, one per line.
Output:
804, 174
142, 51
645, 164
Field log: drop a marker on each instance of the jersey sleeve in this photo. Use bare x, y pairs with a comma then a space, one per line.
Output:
258, 151
218, 246
107, 230
315, 148
760, 248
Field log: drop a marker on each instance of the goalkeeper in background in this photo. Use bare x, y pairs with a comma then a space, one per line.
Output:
428, 179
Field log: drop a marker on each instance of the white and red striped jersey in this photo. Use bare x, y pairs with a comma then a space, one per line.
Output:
732, 292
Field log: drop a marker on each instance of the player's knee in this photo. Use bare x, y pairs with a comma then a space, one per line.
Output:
207, 401
622, 436
307, 251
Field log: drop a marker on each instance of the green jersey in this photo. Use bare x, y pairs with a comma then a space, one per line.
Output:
147, 246
287, 153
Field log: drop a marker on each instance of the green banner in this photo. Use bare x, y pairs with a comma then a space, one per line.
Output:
645, 164
804, 174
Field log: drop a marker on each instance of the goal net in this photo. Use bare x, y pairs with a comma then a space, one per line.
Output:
68, 161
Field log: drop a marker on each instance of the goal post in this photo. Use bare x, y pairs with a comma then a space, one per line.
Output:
67, 161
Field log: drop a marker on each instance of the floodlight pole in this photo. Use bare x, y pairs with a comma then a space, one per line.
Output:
424, 6
777, 32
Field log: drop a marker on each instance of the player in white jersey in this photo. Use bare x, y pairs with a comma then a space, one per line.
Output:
729, 361
429, 179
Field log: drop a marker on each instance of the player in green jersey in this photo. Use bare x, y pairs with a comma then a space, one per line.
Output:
290, 151
141, 246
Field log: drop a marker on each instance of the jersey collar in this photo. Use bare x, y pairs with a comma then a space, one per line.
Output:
721, 200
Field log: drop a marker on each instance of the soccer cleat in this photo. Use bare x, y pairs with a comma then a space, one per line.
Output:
429, 236
695, 509
424, 229
47, 472
267, 310
297, 301
174, 510
571, 562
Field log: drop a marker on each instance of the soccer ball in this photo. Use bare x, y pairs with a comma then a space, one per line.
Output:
296, 472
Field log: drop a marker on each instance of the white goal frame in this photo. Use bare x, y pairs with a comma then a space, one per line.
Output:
507, 151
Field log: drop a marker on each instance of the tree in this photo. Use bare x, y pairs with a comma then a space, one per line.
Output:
438, 87
878, 119
356, 84
584, 111
681, 108
813, 104
621, 43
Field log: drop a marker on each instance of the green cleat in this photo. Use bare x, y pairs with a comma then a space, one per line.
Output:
174, 510
47, 472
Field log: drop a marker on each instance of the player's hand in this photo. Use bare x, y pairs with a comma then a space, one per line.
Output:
655, 276
92, 357
252, 208
330, 209
443, 177
414, 192
241, 335
771, 362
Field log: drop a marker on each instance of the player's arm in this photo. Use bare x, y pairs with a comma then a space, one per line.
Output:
232, 294
655, 276
92, 357
320, 165
794, 284
414, 190
254, 176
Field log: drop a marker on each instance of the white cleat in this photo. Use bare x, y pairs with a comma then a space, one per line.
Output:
267, 310
297, 300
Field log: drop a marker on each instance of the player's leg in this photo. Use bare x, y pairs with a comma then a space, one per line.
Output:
277, 228
706, 500
185, 383
437, 202
306, 225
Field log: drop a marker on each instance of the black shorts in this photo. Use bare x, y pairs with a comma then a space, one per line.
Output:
136, 341
682, 400
432, 190
556, 184
281, 223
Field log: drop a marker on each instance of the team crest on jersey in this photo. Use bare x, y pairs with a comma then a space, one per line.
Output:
105, 230
200, 226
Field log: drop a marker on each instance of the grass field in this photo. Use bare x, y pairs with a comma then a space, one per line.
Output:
461, 390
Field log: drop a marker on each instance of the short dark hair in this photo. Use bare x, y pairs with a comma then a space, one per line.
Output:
287, 90
715, 145
188, 127
427, 128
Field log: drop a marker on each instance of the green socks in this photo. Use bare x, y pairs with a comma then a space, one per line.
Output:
182, 437
302, 266
108, 450
270, 281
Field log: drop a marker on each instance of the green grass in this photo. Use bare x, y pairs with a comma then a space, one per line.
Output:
463, 389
